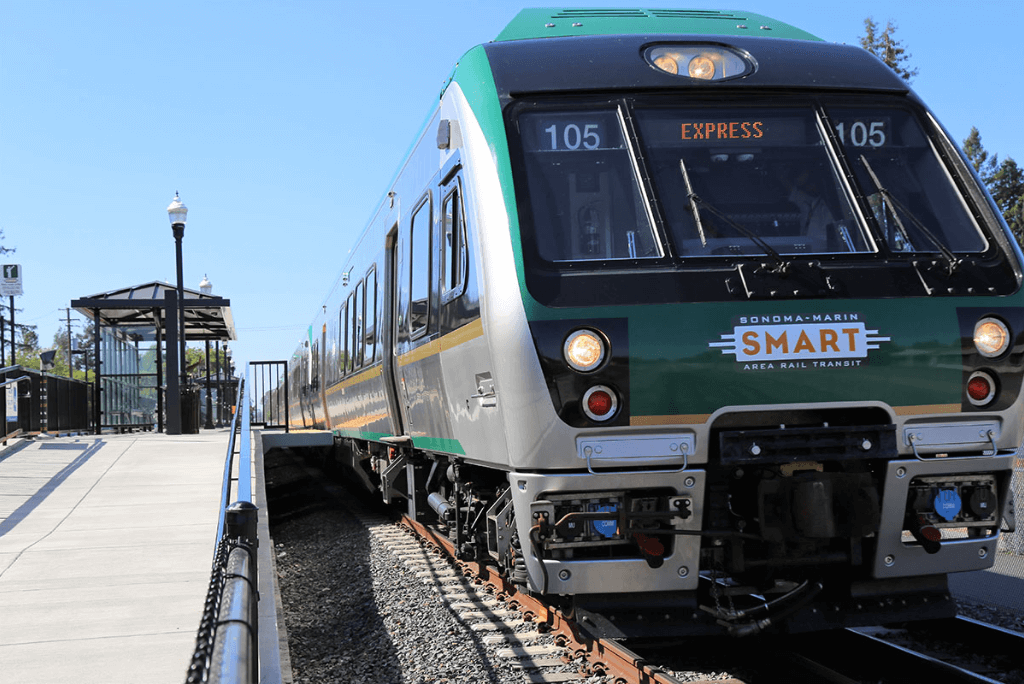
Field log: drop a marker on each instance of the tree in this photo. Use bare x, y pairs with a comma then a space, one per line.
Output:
85, 359
978, 155
1005, 181
1007, 188
887, 48
28, 346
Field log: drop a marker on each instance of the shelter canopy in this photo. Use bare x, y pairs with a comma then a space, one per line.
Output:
140, 310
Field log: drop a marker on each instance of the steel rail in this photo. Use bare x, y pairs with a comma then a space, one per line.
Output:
602, 656
980, 637
843, 656
847, 654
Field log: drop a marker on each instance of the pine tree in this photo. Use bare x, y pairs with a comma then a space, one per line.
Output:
978, 156
1007, 188
887, 48
1005, 181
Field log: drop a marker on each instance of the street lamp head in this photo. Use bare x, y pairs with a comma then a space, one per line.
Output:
177, 211
206, 287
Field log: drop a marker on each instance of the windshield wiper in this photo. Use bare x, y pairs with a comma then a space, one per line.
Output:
781, 266
952, 261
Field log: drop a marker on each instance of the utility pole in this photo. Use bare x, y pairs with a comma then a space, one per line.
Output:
14, 356
71, 373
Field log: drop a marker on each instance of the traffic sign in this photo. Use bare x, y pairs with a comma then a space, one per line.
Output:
10, 283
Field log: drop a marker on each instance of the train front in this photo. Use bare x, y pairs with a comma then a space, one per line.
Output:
780, 325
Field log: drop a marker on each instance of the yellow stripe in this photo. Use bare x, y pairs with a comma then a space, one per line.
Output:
926, 409
361, 421
419, 353
688, 419
369, 373
468, 332
695, 418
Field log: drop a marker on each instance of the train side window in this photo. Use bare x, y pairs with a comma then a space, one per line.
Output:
370, 328
349, 351
419, 273
453, 239
357, 326
343, 338
315, 375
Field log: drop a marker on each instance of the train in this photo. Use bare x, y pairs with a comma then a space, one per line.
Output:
690, 322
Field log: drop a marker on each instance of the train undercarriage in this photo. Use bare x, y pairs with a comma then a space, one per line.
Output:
785, 529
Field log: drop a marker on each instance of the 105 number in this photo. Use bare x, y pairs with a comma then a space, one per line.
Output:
573, 136
863, 134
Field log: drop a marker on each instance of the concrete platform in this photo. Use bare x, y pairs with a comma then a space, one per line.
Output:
106, 545
1002, 586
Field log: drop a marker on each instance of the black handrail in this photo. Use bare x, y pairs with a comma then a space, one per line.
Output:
226, 645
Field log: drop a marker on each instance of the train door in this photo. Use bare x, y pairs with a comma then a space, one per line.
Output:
389, 321
324, 377
417, 352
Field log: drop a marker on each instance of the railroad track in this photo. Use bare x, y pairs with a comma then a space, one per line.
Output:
955, 650
546, 646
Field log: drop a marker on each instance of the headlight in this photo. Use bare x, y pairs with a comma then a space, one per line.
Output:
584, 350
698, 61
991, 337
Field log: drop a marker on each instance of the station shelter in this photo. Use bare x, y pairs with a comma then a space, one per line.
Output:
133, 389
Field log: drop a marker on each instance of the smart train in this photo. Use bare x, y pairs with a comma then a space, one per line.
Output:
687, 320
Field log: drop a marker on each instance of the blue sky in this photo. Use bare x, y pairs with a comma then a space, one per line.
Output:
280, 123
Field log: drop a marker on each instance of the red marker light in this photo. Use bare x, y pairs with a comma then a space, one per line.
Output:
981, 388
600, 403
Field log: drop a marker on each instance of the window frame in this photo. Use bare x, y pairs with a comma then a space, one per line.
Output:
425, 203
453, 189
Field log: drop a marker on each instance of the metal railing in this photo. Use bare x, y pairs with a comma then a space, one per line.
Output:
270, 394
46, 402
226, 645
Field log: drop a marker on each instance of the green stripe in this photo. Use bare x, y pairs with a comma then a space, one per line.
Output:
439, 444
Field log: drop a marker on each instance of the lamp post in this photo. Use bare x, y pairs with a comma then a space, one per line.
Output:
220, 386
227, 378
206, 287
176, 212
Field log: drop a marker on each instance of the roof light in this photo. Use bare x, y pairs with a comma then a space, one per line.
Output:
700, 62
584, 350
701, 67
991, 337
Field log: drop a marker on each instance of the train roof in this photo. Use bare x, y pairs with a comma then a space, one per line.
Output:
549, 22
614, 63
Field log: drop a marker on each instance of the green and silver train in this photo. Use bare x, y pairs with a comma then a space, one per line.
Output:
688, 320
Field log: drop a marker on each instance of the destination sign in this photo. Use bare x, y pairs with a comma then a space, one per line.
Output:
716, 128
723, 130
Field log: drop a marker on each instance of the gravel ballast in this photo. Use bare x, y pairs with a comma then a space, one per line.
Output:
354, 612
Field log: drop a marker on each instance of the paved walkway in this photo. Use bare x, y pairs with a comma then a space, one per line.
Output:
1001, 586
106, 545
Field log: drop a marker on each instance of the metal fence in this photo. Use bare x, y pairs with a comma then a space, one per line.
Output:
226, 645
270, 393
46, 403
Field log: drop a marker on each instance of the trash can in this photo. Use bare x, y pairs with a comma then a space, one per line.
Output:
190, 411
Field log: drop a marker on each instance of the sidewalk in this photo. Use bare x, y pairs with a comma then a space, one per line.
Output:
1001, 586
106, 545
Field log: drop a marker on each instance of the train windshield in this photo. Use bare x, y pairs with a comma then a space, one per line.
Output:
718, 180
